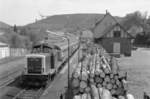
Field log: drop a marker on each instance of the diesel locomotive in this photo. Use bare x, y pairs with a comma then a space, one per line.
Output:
46, 60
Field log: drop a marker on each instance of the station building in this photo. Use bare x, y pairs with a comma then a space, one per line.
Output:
112, 36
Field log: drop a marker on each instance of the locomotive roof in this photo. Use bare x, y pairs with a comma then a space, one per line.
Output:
58, 44
38, 55
46, 45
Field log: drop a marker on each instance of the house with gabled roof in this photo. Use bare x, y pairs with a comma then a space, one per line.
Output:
112, 36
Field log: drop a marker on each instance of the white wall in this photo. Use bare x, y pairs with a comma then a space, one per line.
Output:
4, 52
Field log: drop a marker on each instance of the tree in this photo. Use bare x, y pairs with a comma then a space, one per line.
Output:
33, 37
23, 31
136, 18
15, 28
14, 40
141, 39
148, 20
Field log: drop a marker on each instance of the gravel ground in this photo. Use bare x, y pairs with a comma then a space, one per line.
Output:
7, 68
138, 69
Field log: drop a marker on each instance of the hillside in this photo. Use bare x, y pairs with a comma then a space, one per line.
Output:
4, 25
68, 22
33, 32
4, 28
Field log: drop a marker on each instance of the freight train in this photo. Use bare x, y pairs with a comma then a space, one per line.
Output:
46, 60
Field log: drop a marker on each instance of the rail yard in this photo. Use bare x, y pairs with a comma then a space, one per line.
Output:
74, 49
70, 70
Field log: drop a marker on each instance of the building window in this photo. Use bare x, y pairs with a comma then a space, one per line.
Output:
117, 34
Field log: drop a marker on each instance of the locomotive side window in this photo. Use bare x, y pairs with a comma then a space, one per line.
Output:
52, 61
46, 50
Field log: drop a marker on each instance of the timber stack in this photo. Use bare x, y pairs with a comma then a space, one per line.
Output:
98, 77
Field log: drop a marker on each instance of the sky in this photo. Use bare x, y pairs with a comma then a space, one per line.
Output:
21, 12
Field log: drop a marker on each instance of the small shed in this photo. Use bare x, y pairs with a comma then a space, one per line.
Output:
113, 37
4, 50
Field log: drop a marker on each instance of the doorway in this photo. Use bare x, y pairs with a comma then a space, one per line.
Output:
116, 47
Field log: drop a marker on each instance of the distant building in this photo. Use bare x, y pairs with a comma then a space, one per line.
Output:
4, 50
112, 36
87, 36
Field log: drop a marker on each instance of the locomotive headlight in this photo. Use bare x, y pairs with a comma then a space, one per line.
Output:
25, 70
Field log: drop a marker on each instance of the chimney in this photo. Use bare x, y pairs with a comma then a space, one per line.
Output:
107, 11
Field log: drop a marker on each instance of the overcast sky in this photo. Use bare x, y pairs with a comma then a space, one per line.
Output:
22, 12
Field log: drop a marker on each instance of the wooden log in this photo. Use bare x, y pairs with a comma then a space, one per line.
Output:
76, 74
114, 65
84, 96
87, 89
116, 77
89, 96
104, 84
107, 79
120, 91
121, 97
107, 71
106, 94
109, 86
113, 91
115, 86
98, 79
114, 98
130, 96
111, 75
99, 85
118, 83
92, 75
91, 80
106, 62
81, 90
83, 84
77, 97
125, 84
103, 65
102, 75
113, 81
97, 73
122, 74
75, 82
100, 91
84, 76
75, 91
95, 93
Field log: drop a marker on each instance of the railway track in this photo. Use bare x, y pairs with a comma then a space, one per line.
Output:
29, 94
9, 77
25, 93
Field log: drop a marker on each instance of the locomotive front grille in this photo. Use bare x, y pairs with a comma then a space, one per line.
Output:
34, 65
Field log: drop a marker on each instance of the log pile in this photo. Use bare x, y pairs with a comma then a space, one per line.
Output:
98, 77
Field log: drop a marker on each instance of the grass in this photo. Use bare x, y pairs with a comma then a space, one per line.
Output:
138, 68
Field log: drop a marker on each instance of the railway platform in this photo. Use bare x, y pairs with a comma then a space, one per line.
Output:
59, 85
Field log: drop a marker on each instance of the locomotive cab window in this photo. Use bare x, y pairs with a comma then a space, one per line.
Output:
117, 33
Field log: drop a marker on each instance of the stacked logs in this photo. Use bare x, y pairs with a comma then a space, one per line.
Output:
98, 77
